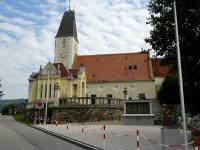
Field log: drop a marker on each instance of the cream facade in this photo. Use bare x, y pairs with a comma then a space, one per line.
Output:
116, 89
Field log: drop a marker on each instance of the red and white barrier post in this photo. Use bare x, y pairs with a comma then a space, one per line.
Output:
104, 136
196, 142
82, 130
56, 125
138, 140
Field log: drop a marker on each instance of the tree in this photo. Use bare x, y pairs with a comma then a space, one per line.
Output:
169, 92
162, 40
9, 109
1, 92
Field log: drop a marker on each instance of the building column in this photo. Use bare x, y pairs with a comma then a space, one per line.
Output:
79, 89
57, 94
124, 107
38, 89
69, 88
52, 89
150, 105
43, 90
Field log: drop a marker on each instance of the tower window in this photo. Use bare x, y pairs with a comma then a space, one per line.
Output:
129, 67
63, 43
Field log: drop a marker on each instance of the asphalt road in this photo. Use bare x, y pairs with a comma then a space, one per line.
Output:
17, 136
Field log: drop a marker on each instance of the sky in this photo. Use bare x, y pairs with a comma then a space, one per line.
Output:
28, 29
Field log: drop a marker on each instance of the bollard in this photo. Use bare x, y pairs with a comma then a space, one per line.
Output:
82, 130
138, 140
196, 142
104, 136
56, 123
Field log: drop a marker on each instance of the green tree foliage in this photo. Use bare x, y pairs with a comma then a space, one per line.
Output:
162, 40
1, 92
9, 110
168, 93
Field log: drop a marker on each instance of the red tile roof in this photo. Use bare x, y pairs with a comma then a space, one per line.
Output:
63, 70
115, 67
159, 70
74, 72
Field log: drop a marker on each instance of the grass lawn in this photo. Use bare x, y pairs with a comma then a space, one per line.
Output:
21, 118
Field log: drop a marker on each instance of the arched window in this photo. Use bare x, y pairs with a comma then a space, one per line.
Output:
100, 88
63, 43
116, 88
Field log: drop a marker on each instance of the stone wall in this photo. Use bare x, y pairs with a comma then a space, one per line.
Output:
79, 114
85, 114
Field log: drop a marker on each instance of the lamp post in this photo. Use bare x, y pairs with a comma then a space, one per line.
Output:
46, 103
180, 77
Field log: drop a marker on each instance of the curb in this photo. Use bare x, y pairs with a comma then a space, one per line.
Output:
68, 139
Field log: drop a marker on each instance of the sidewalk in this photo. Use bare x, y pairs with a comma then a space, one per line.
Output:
118, 137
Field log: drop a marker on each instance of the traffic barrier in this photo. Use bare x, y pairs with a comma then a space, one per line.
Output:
138, 140
56, 123
156, 142
138, 134
104, 136
82, 130
67, 127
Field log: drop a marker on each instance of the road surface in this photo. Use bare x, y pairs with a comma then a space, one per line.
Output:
17, 136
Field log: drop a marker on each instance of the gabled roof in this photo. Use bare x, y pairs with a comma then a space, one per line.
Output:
68, 25
159, 70
115, 67
63, 70
74, 72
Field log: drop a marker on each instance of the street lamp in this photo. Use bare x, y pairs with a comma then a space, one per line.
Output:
46, 103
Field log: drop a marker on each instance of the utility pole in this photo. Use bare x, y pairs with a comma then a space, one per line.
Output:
180, 77
47, 96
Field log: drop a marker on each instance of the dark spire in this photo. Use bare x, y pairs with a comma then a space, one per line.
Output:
68, 25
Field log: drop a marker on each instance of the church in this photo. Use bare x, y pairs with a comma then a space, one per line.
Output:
105, 75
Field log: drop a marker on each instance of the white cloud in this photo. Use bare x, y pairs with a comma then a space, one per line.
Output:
27, 38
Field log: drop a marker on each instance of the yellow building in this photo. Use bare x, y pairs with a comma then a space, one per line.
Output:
59, 79
106, 75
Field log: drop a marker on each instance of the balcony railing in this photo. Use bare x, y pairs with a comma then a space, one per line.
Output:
81, 102
93, 101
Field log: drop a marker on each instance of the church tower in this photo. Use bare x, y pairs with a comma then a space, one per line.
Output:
66, 40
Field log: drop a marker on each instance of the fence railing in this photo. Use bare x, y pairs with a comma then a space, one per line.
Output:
95, 101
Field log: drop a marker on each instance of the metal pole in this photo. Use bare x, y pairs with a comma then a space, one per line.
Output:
47, 94
180, 78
